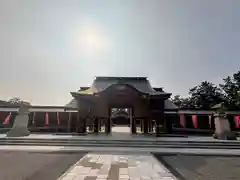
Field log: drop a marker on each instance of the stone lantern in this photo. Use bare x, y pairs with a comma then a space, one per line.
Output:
222, 126
20, 126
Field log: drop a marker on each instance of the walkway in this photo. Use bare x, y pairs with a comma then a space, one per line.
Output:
121, 131
98, 166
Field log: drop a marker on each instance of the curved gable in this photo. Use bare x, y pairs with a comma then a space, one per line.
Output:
121, 89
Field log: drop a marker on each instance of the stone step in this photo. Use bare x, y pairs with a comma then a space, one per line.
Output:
121, 145
109, 141
106, 143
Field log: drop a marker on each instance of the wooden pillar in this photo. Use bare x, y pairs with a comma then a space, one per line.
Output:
133, 125
132, 121
96, 125
77, 124
99, 125
150, 125
33, 120
108, 122
141, 124
168, 123
84, 125
106, 125
145, 127
82, 122
109, 125
69, 122
159, 122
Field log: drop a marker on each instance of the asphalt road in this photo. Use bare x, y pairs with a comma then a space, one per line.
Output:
190, 167
35, 166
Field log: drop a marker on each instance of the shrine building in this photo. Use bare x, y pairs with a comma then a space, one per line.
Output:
144, 104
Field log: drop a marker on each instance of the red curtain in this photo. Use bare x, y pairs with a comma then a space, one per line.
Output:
195, 121
46, 119
237, 121
182, 120
7, 119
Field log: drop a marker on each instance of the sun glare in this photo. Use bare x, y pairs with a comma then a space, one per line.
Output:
91, 40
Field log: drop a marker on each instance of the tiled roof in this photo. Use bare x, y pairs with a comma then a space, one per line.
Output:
86, 91
139, 83
170, 105
72, 104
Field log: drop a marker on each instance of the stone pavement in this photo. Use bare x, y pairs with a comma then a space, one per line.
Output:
99, 166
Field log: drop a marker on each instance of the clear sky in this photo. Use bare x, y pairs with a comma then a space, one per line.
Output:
51, 47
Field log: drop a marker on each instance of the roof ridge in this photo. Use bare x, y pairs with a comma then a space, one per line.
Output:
117, 78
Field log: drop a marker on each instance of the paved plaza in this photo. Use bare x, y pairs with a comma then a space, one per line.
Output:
24, 165
117, 163
97, 166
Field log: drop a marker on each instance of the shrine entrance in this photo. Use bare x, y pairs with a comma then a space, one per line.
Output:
121, 121
123, 104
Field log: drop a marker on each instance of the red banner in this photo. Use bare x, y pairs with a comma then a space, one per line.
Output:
237, 121
182, 120
195, 121
7, 119
46, 119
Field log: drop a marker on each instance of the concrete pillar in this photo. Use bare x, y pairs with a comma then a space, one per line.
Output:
222, 128
20, 126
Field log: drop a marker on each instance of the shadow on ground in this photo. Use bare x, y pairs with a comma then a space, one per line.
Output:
196, 167
35, 166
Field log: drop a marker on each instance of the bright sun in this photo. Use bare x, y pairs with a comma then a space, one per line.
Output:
92, 41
